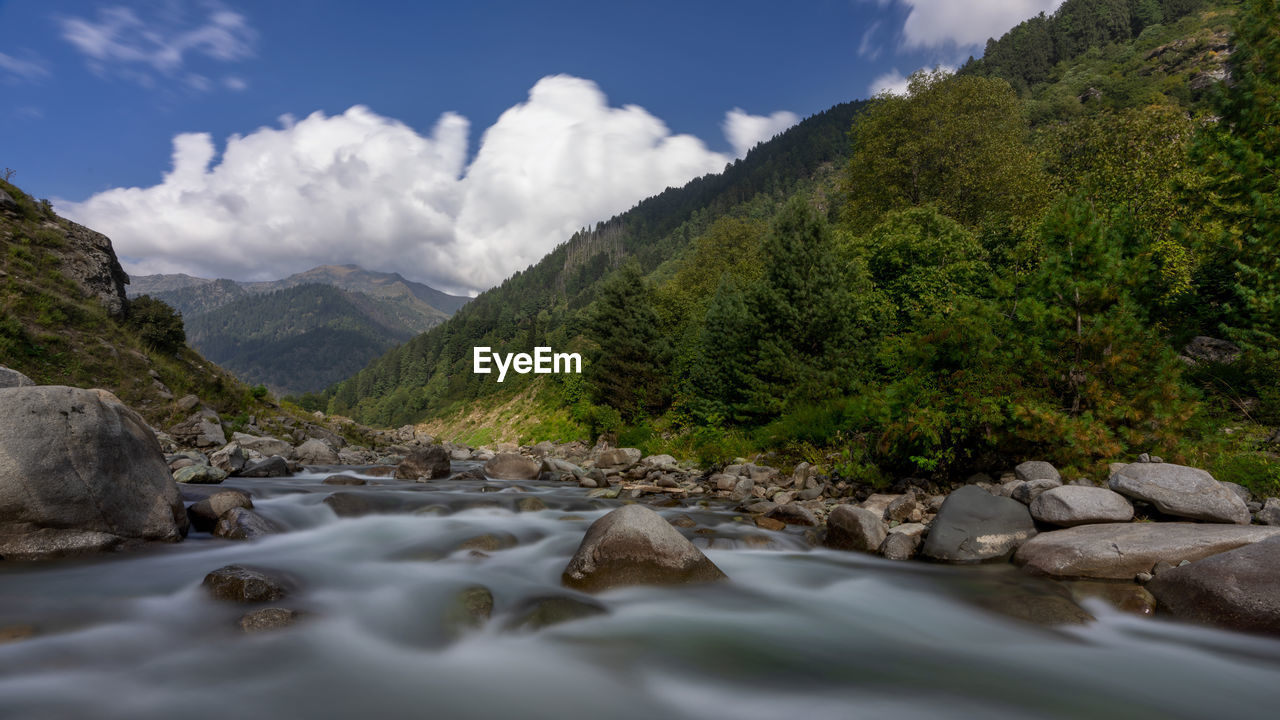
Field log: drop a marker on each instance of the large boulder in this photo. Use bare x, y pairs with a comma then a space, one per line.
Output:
618, 458
1036, 470
1072, 505
80, 472
316, 452
975, 526
274, 466
1182, 491
266, 446
855, 528
633, 545
240, 523
199, 475
229, 459
1119, 551
1238, 589
430, 462
13, 378
512, 466
204, 513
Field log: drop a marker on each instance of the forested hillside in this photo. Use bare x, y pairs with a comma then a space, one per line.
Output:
1076, 263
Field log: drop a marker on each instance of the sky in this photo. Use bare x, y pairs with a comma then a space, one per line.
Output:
452, 142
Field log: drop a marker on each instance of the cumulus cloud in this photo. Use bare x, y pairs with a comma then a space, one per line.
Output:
362, 188
121, 42
895, 83
933, 23
745, 131
14, 69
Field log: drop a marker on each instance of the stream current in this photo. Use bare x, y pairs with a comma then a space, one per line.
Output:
797, 631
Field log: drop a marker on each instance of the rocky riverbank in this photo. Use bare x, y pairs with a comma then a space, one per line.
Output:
81, 473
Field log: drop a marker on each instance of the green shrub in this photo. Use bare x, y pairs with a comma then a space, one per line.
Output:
158, 325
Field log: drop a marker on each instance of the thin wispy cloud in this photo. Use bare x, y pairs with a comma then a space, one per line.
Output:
14, 70
867, 48
367, 189
120, 42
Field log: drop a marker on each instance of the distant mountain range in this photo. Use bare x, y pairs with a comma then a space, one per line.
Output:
304, 332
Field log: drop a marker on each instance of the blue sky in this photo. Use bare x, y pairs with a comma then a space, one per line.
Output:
482, 132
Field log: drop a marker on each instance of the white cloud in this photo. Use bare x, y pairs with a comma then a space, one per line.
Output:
933, 23
14, 69
121, 42
366, 189
232, 82
895, 83
867, 49
745, 131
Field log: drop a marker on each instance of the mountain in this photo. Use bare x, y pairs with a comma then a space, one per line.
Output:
65, 320
993, 266
304, 332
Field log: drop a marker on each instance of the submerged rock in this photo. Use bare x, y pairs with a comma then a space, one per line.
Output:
1120, 551
470, 608
80, 472
540, 612
633, 545
237, 583
243, 524
975, 526
344, 480
272, 618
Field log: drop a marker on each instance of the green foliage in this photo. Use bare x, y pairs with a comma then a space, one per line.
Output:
158, 325
627, 370
956, 142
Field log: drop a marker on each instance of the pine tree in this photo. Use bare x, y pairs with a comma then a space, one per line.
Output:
722, 380
628, 370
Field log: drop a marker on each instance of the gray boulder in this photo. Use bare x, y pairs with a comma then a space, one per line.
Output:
902, 542
1028, 490
274, 466
316, 452
1120, 551
1182, 491
1073, 505
1037, 470
240, 523
633, 545
618, 458
975, 526
1238, 589
229, 459
855, 528
512, 466
203, 429
204, 514
13, 378
265, 619
430, 462
1270, 512
80, 472
266, 446
793, 515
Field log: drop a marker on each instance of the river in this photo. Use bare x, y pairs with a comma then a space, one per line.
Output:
797, 631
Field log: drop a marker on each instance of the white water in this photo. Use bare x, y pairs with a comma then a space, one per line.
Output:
796, 632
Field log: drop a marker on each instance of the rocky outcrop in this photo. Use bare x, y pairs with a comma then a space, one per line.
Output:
633, 545
1180, 491
1073, 505
1238, 589
975, 526
80, 472
1120, 551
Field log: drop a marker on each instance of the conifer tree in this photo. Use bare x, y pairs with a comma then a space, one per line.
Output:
628, 370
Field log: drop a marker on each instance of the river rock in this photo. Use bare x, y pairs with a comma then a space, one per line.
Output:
1270, 512
1120, 551
266, 446
1027, 491
316, 452
512, 466
1182, 491
199, 475
237, 583
902, 542
633, 545
793, 515
1238, 589
204, 514
540, 612
80, 472
243, 524
855, 528
1037, 470
264, 619
618, 458
661, 462
975, 526
274, 466
470, 608
431, 462
230, 458
1072, 505
13, 378
344, 480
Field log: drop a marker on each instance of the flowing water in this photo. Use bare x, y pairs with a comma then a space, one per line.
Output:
797, 631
